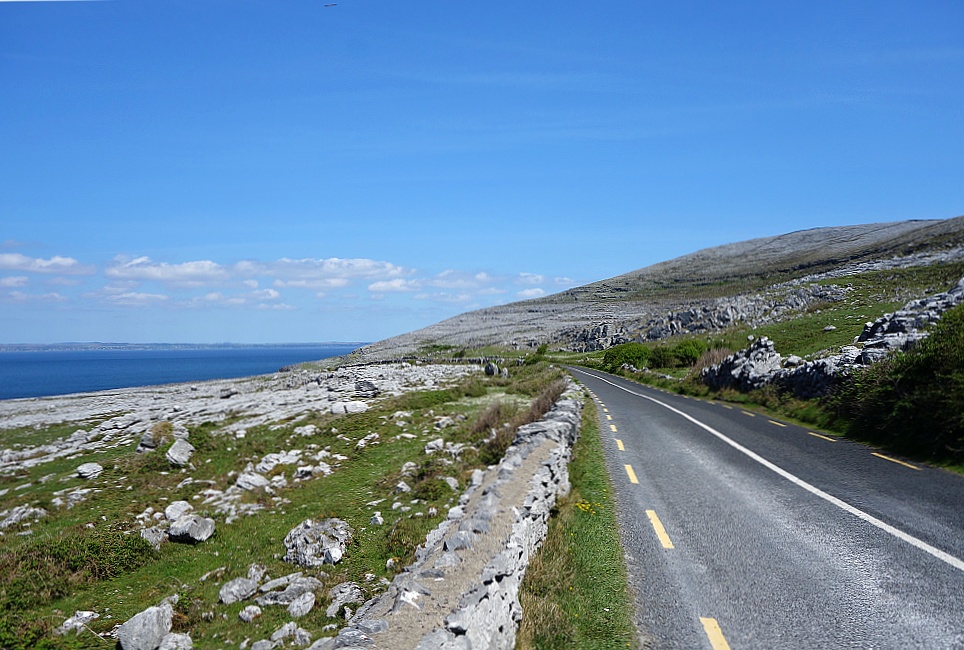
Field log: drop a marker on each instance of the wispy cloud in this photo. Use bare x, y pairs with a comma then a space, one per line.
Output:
396, 284
20, 297
14, 281
530, 278
185, 274
526, 294
56, 264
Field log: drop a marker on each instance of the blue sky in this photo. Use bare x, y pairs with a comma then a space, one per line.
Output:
277, 171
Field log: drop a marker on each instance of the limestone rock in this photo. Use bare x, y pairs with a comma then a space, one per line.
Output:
154, 536
343, 594
340, 408
236, 590
249, 613
301, 605
180, 453
89, 470
291, 592
20, 513
191, 529
177, 509
251, 481
77, 622
176, 641
312, 544
146, 630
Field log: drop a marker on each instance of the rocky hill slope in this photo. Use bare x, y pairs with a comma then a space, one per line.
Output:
753, 282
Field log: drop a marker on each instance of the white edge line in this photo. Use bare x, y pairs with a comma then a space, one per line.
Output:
843, 505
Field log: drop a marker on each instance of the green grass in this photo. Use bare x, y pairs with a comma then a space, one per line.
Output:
575, 593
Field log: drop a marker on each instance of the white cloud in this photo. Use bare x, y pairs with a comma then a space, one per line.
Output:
525, 294
320, 283
312, 269
252, 284
563, 281
452, 279
280, 306
19, 296
444, 296
136, 298
56, 264
14, 281
184, 274
530, 278
265, 294
397, 284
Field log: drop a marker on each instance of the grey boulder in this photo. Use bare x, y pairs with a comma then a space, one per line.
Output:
236, 590
146, 630
191, 529
312, 544
180, 453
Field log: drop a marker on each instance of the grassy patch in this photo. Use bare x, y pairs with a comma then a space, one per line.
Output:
575, 593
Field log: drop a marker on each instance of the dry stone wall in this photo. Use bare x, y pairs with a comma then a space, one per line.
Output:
463, 589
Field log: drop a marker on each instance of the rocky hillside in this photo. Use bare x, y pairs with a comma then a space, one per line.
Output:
752, 282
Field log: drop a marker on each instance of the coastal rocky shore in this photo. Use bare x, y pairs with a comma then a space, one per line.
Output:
462, 590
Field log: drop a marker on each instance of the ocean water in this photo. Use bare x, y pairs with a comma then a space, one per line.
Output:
60, 372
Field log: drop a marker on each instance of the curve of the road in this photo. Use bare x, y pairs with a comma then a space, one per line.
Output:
741, 531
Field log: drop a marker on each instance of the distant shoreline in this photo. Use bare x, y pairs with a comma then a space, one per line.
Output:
93, 345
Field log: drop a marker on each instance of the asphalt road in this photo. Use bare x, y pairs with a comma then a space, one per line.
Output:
745, 532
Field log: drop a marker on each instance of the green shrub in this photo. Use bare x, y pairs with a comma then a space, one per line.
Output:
635, 354
662, 357
47, 568
911, 402
688, 352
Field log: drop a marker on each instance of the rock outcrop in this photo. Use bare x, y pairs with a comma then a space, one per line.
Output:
760, 364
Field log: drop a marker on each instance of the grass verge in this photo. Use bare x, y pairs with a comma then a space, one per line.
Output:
575, 592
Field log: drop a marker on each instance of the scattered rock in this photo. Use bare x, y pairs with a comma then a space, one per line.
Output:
237, 590
249, 613
77, 622
291, 592
180, 453
301, 605
176, 641
89, 470
191, 529
146, 630
339, 408
20, 514
251, 481
313, 544
178, 509
154, 536
343, 594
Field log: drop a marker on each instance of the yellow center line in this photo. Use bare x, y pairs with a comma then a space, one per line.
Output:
727, 406
779, 424
613, 427
631, 473
714, 634
605, 410
660, 531
619, 445
817, 435
752, 415
609, 417
894, 460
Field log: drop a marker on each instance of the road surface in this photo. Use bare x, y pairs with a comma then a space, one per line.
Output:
745, 532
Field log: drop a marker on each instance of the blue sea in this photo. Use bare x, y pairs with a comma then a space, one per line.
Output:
60, 372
